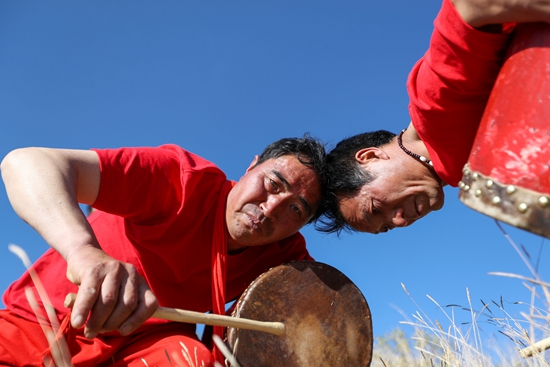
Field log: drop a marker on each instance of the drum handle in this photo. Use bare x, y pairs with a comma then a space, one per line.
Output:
193, 317
538, 347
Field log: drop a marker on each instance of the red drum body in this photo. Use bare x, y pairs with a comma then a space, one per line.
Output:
508, 172
327, 319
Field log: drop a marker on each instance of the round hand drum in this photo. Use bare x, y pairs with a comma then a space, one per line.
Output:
508, 172
327, 319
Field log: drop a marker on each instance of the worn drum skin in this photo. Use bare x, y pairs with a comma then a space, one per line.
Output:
508, 172
327, 319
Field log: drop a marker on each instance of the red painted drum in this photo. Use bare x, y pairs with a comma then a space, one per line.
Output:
507, 175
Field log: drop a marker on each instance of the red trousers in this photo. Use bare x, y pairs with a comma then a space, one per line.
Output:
23, 343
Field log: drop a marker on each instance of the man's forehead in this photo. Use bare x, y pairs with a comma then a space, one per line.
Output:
284, 157
290, 159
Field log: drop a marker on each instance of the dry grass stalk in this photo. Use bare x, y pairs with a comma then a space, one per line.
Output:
58, 348
50, 326
185, 358
434, 345
42, 294
230, 358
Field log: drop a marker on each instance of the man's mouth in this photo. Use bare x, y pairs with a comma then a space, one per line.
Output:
254, 223
420, 208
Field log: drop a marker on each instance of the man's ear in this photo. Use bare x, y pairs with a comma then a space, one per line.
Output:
254, 161
367, 154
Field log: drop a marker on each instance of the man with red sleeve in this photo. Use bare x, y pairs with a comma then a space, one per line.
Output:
383, 181
168, 228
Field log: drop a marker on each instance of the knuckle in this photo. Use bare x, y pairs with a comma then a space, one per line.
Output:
130, 301
109, 300
130, 269
88, 291
152, 302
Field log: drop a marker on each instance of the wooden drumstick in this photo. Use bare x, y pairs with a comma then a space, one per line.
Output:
193, 317
539, 346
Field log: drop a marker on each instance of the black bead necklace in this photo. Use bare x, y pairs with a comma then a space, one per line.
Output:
418, 157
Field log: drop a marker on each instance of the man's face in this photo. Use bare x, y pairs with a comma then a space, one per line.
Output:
402, 192
271, 202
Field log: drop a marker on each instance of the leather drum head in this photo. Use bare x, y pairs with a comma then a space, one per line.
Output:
327, 319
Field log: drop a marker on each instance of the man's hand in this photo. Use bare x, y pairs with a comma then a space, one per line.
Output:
111, 296
44, 187
478, 13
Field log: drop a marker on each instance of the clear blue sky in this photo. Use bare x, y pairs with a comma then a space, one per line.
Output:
225, 78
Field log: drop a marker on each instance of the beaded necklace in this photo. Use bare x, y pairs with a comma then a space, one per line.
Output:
418, 157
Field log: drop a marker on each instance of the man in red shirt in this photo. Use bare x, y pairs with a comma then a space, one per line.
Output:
168, 228
383, 181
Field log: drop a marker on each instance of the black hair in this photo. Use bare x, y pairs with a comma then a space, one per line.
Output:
347, 177
310, 152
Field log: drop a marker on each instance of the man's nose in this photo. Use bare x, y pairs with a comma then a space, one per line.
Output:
271, 206
399, 219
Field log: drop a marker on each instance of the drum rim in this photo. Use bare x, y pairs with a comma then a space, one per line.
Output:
523, 208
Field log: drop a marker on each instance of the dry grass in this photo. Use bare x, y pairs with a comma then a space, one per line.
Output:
60, 355
454, 343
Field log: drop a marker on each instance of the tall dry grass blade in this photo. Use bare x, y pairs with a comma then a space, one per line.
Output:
59, 347
526, 261
168, 357
522, 277
225, 351
185, 353
42, 294
177, 359
474, 328
532, 309
45, 326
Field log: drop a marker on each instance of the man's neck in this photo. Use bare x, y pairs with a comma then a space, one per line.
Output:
413, 142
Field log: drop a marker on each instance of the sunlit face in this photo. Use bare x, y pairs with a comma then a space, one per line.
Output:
271, 202
403, 192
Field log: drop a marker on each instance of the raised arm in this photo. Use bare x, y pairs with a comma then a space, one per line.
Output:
449, 87
45, 187
479, 13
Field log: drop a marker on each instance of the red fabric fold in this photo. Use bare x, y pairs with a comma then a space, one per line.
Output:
219, 262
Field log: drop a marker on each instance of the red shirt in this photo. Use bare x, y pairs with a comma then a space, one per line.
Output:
449, 88
156, 210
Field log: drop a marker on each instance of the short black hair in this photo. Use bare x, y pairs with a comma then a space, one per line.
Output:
310, 152
346, 176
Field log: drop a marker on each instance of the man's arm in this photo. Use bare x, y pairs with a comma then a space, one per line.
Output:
449, 87
45, 187
479, 13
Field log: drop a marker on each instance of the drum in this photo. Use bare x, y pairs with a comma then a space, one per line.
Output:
327, 319
508, 172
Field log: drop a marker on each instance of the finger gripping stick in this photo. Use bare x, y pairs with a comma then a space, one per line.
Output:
193, 317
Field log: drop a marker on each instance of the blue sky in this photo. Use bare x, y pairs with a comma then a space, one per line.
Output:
224, 79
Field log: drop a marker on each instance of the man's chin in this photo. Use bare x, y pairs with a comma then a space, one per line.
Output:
241, 240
